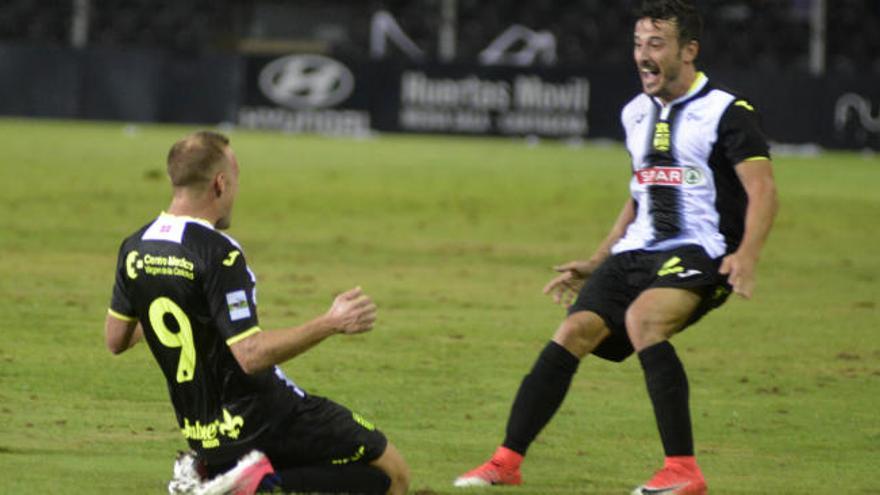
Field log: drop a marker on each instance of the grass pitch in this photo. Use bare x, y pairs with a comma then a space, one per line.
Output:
454, 238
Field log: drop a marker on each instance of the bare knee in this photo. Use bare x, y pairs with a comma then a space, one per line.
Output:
646, 328
581, 332
643, 329
658, 314
393, 465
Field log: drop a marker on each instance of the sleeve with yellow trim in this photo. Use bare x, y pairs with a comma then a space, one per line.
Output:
230, 289
740, 134
120, 301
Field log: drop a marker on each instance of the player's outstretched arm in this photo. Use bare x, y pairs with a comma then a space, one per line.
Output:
351, 312
564, 287
739, 266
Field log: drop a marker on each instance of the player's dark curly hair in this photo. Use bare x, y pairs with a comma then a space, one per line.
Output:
684, 12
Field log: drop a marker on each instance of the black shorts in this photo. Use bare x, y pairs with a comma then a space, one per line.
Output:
621, 278
322, 432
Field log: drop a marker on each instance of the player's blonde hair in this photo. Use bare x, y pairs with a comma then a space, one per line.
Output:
193, 161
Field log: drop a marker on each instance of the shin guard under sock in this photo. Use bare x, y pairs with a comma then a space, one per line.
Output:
668, 388
539, 396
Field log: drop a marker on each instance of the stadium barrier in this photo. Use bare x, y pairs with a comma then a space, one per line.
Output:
316, 93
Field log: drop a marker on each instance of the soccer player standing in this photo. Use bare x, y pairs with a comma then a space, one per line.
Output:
186, 288
703, 199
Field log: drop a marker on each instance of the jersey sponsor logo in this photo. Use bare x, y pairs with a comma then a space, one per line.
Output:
157, 265
670, 176
231, 257
211, 433
238, 305
133, 264
660, 176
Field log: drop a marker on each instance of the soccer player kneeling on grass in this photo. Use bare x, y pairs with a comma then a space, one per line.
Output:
702, 202
186, 288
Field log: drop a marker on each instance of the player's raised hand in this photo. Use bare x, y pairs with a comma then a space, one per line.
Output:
353, 312
565, 287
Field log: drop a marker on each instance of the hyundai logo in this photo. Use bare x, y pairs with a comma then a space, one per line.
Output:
302, 82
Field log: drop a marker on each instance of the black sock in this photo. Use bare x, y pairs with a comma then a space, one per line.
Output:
351, 479
668, 388
539, 396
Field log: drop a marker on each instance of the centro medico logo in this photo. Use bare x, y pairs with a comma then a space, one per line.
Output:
303, 82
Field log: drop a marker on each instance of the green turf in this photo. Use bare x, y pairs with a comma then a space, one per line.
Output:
454, 239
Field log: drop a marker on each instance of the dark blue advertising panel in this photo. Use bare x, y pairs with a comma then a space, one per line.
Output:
315, 93
311, 93
832, 111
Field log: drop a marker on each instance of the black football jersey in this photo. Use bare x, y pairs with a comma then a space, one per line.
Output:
194, 294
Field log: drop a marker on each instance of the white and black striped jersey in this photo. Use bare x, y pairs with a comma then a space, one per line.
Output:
684, 183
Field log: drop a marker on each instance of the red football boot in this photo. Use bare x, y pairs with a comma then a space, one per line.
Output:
501, 469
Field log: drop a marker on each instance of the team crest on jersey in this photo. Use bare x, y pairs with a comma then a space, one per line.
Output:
693, 176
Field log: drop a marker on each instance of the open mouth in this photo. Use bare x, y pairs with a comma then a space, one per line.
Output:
650, 75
